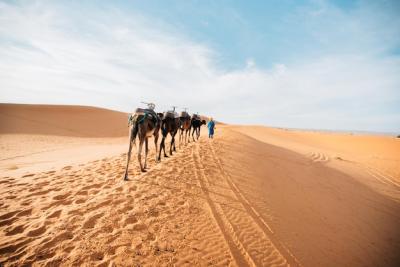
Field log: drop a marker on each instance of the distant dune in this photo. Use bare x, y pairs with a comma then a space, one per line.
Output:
377, 152
78, 121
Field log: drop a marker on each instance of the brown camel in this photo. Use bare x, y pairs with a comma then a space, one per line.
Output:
170, 124
144, 123
185, 127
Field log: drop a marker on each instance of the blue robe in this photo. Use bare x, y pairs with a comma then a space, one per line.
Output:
211, 125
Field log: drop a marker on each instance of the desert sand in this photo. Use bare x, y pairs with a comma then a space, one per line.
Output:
253, 196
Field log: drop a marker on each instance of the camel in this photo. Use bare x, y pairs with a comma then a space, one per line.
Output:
196, 123
185, 127
144, 124
170, 124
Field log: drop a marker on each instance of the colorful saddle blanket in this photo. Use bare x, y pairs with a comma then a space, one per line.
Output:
141, 114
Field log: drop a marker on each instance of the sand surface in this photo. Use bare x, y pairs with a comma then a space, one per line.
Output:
253, 196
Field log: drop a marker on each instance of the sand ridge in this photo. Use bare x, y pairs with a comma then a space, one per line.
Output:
62, 120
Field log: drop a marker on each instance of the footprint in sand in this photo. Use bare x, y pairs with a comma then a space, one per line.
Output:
94, 192
82, 192
91, 222
92, 186
16, 230
55, 214
8, 215
28, 175
39, 193
130, 220
139, 226
97, 256
38, 231
25, 213
14, 247
104, 203
153, 212
80, 201
41, 184
7, 221
61, 197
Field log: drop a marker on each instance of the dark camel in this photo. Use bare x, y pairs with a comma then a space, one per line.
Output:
196, 125
185, 127
170, 125
145, 123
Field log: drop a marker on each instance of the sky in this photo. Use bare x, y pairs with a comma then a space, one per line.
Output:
285, 63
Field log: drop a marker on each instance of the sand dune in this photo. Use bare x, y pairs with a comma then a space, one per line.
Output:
253, 196
373, 160
36, 138
78, 121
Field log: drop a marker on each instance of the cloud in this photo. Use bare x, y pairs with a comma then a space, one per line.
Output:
112, 58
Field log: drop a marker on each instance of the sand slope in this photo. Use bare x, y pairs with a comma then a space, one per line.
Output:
232, 201
371, 159
79, 121
326, 217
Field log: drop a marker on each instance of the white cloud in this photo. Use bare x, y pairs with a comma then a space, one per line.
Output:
250, 63
115, 60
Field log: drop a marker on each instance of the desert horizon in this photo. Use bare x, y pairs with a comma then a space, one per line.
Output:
325, 130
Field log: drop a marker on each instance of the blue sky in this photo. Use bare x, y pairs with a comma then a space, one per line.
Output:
302, 64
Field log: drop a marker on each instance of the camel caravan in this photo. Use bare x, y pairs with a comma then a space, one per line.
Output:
145, 123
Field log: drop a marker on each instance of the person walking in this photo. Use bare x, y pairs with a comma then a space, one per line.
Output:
211, 127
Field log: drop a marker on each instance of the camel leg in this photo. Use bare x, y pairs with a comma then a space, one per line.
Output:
141, 141
146, 151
194, 129
185, 136
162, 148
165, 154
156, 145
172, 142
128, 158
180, 133
161, 145
198, 133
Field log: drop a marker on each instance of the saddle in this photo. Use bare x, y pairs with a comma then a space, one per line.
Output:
196, 117
184, 115
146, 112
142, 111
171, 115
